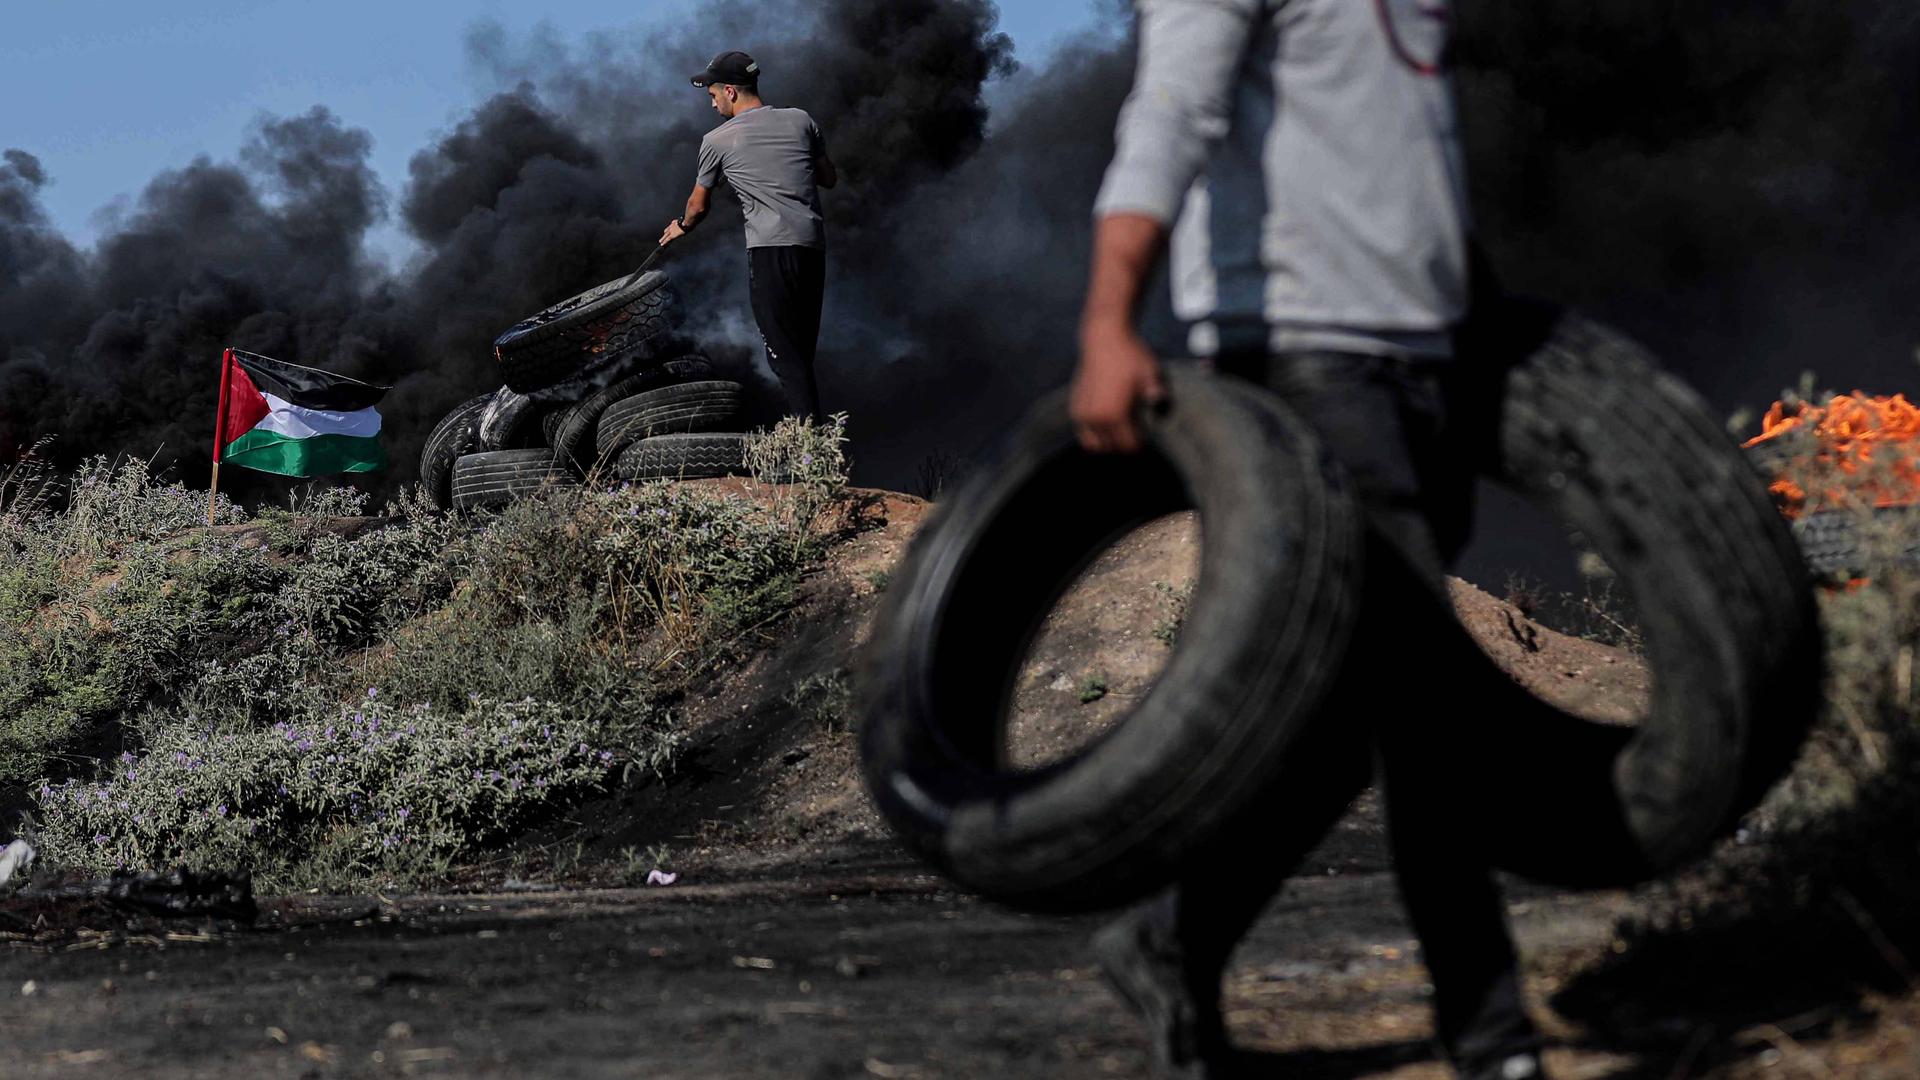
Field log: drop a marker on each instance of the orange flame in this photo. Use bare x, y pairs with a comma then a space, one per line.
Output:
1847, 433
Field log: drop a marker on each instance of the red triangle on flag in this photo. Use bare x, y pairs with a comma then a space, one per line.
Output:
246, 406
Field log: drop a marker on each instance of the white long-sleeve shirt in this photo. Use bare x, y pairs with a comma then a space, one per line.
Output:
1306, 153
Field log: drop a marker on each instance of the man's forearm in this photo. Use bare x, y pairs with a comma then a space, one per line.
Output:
692, 215
1125, 249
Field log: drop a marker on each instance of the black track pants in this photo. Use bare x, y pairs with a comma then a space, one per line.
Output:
1386, 423
788, 285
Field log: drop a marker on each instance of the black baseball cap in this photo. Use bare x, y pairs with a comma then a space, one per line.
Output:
729, 69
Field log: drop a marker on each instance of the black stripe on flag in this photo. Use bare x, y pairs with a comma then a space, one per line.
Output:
309, 388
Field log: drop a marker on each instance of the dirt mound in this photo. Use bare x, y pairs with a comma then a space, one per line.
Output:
770, 762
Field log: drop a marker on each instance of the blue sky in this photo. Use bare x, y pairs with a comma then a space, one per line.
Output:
109, 92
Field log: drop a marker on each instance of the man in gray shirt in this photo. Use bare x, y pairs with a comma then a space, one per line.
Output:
1301, 159
776, 162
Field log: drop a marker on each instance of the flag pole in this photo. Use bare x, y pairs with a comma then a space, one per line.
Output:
219, 431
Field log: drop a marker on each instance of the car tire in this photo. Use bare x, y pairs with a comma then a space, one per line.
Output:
597, 329
451, 438
684, 457
575, 427
1591, 430
1270, 619
496, 478
685, 409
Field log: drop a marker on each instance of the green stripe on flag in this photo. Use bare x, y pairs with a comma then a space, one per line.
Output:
318, 455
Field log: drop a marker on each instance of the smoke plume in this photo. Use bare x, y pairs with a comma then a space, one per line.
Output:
1734, 184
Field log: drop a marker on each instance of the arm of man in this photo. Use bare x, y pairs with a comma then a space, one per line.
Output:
712, 171
1178, 111
698, 204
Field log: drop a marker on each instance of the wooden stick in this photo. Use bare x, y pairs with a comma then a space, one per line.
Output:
219, 430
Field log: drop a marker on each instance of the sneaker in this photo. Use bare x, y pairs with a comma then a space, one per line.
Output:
1189, 1039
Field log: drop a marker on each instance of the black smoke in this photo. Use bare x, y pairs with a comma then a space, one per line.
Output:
1734, 184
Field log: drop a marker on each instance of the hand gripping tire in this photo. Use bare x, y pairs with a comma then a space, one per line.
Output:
574, 428
452, 437
1591, 429
501, 476
684, 457
594, 330
1271, 616
685, 409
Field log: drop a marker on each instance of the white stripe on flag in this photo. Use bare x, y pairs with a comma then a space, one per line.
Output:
299, 423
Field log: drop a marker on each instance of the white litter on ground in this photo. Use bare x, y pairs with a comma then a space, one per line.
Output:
15, 859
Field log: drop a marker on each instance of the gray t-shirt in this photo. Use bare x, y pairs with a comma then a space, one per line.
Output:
1308, 151
768, 155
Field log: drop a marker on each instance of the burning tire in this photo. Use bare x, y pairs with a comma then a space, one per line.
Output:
1591, 429
684, 409
596, 330
684, 457
574, 428
499, 477
452, 437
1270, 620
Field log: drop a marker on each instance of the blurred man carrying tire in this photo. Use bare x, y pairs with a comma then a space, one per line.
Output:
776, 162
1319, 249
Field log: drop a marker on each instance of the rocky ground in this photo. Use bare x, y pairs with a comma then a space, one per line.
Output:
798, 941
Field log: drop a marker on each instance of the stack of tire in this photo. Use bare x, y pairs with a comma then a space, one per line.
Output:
598, 387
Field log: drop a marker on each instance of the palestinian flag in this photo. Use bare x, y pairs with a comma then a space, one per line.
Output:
282, 418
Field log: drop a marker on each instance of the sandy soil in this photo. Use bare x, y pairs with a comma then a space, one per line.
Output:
799, 942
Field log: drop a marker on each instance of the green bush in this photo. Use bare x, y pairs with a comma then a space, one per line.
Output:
337, 796
332, 700
104, 604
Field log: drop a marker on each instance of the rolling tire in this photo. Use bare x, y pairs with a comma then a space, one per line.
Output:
574, 428
685, 409
499, 477
1271, 617
596, 329
452, 437
1591, 430
684, 457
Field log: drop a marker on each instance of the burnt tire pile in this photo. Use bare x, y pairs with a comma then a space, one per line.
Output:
1580, 421
1839, 543
597, 388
